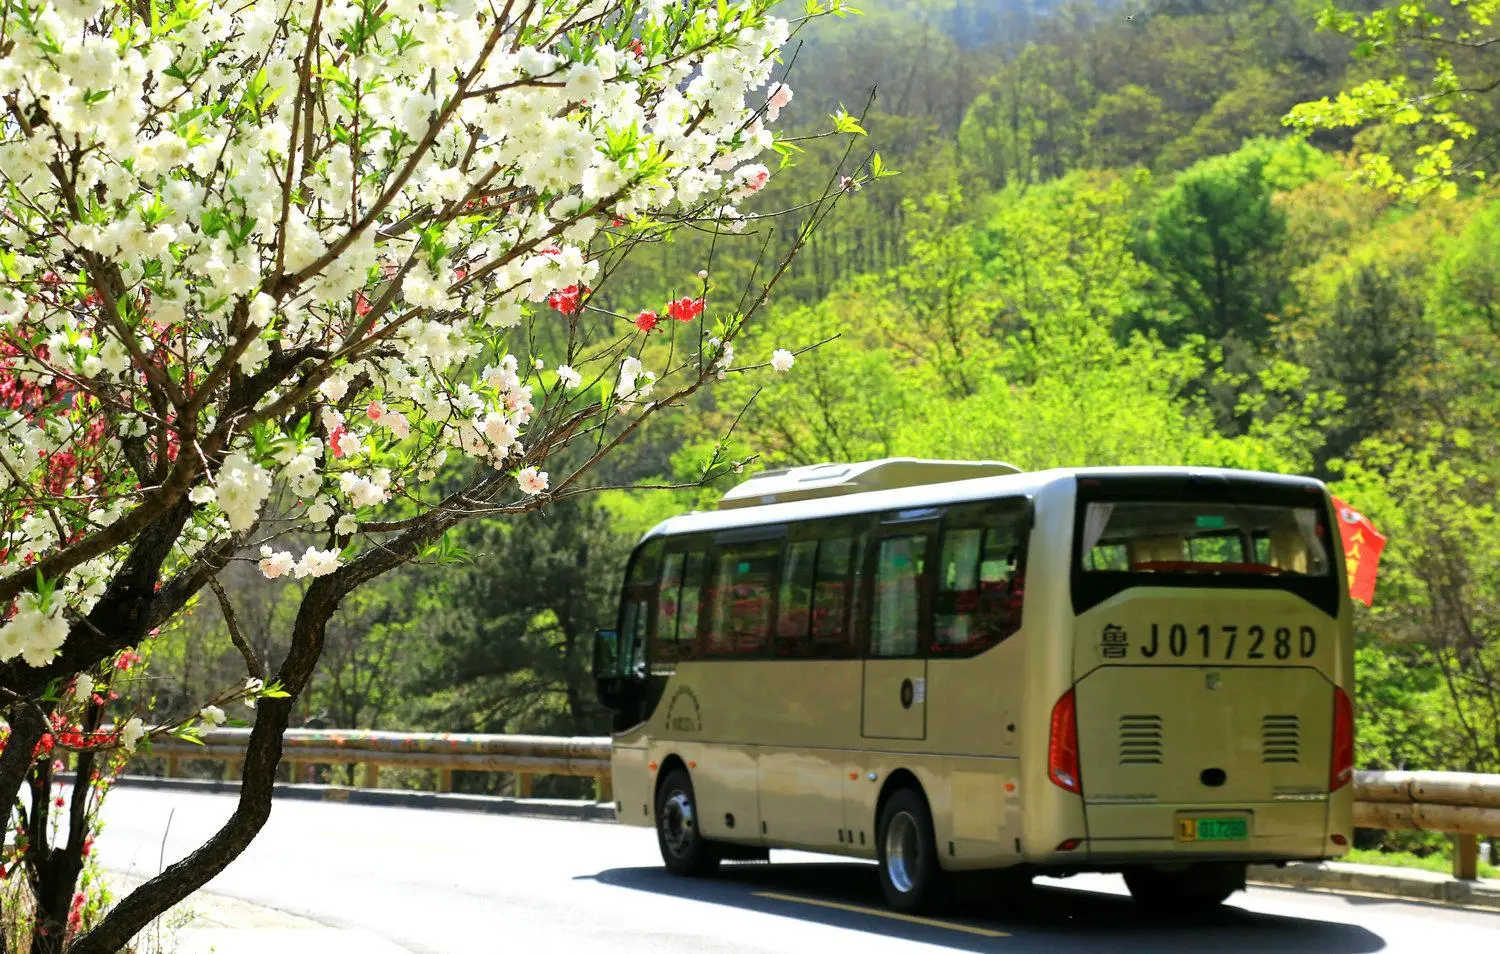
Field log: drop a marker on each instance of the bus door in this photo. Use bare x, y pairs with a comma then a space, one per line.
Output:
897, 622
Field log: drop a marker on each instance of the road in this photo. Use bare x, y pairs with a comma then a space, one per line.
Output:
441, 881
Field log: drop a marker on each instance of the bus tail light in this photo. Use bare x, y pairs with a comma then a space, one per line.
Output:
1062, 745
1342, 768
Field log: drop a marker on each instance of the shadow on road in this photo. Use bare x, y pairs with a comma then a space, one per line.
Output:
1065, 920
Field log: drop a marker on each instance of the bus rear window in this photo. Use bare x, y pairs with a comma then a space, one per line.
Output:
1203, 538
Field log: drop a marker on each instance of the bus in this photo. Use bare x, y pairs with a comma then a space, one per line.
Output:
951, 666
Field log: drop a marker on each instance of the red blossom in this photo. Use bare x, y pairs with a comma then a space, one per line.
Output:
333, 440
646, 320
565, 300
362, 305
685, 309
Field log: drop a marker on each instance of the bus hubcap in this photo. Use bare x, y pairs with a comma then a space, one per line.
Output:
901, 852
677, 823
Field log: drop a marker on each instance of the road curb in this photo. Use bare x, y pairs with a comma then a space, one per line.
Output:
210, 923
1388, 882
570, 809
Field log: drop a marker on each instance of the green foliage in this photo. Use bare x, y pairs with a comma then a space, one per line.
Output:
1430, 861
1214, 237
1427, 95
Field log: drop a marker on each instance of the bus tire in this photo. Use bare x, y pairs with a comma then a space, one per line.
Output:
1195, 888
910, 874
683, 848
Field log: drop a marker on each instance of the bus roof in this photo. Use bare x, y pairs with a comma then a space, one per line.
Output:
833, 480
929, 495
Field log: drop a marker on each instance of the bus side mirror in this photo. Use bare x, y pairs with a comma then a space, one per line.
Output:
606, 654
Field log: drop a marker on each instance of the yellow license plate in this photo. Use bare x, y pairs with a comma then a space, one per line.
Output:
1220, 828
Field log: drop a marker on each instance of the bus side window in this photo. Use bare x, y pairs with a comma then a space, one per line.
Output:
979, 586
741, 600
664, 649
831, 639
677, 604
692, 601
896, 606
795, 604
954, 620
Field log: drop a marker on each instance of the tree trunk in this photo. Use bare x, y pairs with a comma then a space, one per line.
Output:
262, 756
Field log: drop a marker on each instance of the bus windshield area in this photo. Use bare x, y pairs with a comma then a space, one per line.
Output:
1203, 538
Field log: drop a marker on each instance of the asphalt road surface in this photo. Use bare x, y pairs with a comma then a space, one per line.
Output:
443, 881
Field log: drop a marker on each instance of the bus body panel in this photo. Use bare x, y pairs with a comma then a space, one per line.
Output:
631, 780
811, 780
1050, 816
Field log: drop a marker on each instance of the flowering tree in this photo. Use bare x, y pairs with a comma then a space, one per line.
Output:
270, 266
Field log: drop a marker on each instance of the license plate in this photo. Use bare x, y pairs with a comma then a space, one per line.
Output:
1232, 828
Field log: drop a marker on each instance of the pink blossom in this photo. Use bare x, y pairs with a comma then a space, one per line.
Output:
397, 424
780, 96
531, 480
752, 178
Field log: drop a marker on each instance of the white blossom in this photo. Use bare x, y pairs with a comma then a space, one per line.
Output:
275, 563
317, 562
132, 733
242, 488
782, 360
33, 633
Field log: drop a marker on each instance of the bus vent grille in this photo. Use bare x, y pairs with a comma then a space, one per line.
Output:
1140, 740
1279, 739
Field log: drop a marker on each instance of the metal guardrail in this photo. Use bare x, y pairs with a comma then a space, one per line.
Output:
524, 756
1464, 805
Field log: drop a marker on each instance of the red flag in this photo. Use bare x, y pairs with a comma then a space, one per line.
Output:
1362, 546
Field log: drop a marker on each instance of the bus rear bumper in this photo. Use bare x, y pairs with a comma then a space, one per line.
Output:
1271, 831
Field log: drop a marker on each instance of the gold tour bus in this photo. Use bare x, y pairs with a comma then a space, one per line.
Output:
951, 666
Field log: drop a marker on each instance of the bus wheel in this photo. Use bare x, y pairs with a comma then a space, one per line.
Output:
682, 846
909, 870
1197, 887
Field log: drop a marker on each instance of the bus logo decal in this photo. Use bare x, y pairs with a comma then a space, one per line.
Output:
683, 714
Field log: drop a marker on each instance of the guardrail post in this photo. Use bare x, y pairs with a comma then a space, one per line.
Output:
445, 780
232, 770
1466, 857
523, 784
605, 789
174, 766
372, 775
